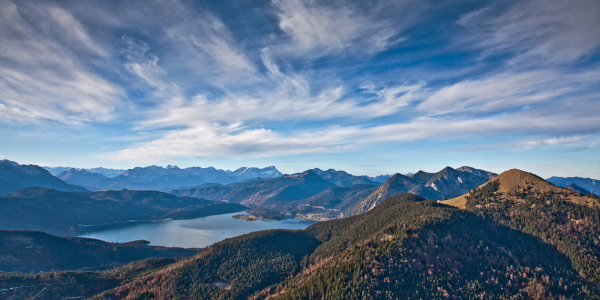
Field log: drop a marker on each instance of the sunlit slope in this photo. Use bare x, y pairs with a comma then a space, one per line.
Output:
514, 182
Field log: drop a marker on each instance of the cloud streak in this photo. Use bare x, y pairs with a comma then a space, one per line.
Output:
42, 79
315, 27
537, 31
279, 78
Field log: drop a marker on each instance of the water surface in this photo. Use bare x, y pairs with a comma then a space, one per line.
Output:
189, 233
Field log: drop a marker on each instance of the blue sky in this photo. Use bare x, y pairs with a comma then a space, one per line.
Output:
371, 88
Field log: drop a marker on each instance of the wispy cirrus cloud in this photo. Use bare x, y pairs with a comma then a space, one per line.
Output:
509, 89
539, 32
42, 77
235, 140
285, 97
335, 27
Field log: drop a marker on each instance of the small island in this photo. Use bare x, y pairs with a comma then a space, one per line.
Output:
263, 214
249, 218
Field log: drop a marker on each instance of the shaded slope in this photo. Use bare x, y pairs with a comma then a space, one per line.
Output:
75, 284
563, 218
450, 182
341, 178
80, 177
330, 203
395, 185
576, 188
591, 185
242, 265
446, 183
14, 177
286, 188
34, 252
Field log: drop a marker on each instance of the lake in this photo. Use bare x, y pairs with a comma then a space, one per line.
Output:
189, 233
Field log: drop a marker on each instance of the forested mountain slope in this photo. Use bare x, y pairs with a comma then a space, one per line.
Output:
34, 252
515, 184
14, 177
406, 247
329, 203
518, 237
286, 188
64, 213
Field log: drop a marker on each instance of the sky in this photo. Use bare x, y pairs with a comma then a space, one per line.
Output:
369, 87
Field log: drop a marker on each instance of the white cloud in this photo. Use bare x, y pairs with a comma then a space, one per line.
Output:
539, 31
324, 28
41, 79
74, 29
283, 97
507, 90
562, 140
214, 141
206, 40
494, 105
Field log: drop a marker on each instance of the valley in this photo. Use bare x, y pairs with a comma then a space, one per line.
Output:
456, 233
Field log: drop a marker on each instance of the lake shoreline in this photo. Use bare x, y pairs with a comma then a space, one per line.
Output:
188, 233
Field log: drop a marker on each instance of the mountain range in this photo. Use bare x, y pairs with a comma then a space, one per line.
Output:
588, 184
447, 183
80, 177
287, 188
514, 237
14, 177
323, 195
342, 178
104, 171
172, 177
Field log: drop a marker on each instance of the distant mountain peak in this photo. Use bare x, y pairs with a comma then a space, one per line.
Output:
13, 163
342, 178
14, 177
576, 188
80, 177
173, 177
588, 184
447, 183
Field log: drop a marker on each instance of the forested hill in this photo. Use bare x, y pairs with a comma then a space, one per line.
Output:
516, 185
64, 213
406, 247
34, 252
535, 242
